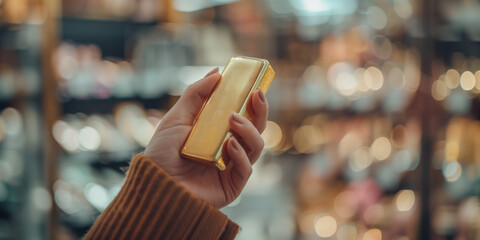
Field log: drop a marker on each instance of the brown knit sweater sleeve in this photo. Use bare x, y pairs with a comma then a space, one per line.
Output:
152, 205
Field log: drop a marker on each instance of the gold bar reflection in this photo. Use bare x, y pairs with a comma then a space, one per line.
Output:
240, 78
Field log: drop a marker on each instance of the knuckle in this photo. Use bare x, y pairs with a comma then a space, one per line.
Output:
261, 143
194, 92
247, 126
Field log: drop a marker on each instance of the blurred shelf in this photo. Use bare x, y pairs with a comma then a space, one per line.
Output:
4, 103
4, 213
445, 49
111, 36
5, 26
93, 106
300, 114
118, 165
19, 100
76, 227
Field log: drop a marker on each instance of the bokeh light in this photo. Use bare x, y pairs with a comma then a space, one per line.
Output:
381, 148
89, 138
403, 8
13, 121
376, 17
272, 135
346, 84
372, 234
347, 231
452, 171
452, 78
97, 195
373, 78
348, 144
382, 47
325, 226
396, 78
307, 139
440, 90
360, 76
477, 80
69, 139
404, 160
65, 201
405, 200
144, 131
41, 199
11, 166
360, 159
467, 81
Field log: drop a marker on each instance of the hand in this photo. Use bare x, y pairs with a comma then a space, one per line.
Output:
240, 152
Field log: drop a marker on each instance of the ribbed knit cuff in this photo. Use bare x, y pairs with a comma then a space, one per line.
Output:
152, 205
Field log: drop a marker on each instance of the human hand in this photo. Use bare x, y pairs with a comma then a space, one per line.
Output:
240, 152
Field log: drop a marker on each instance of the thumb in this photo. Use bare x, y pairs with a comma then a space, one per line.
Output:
192, 100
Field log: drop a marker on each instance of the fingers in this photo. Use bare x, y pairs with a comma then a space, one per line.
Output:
192, 100
215, 70
258, 110
248, 134
241, 163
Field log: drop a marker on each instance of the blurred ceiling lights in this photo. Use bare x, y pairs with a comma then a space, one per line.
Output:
196, 5
325, 7
316, 12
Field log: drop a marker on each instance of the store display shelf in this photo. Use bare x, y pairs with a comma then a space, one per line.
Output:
105, 19
91, 106
334, 113
111, 36
103, 159
7, 26
4, 103
119, 165
19, 100
78, 229
96, 24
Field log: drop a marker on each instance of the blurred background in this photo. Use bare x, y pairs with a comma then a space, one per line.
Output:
373, 133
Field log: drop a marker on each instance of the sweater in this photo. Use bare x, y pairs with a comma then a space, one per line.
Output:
152, 205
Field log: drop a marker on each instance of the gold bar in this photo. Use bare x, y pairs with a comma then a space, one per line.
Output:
240, 78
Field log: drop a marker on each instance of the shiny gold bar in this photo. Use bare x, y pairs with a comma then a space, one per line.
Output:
240, 78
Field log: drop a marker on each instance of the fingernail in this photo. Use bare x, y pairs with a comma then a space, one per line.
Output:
235, 144
237, 118
212, 72
261, 95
